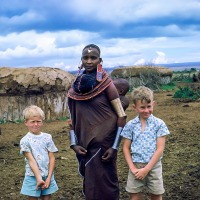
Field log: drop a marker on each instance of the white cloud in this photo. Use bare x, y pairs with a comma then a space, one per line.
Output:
163, 32
161, 58
141, 61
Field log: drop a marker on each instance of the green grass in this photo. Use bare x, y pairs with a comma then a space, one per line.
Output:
169, 86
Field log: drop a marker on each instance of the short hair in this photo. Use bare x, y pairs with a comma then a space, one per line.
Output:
92, 46
142, 93
33, 111
121, 83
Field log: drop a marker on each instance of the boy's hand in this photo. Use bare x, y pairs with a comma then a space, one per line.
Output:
134, 171
141, 173
47, 182
40, 184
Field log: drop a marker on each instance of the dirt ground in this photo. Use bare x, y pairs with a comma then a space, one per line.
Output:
181, 169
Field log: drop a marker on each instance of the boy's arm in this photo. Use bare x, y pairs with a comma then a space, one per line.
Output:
127, 155
158, 153
142, 172
35, 169
51, 169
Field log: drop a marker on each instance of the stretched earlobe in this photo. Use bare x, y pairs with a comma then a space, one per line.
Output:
99, 74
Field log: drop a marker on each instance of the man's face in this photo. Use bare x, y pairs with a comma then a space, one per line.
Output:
90, 59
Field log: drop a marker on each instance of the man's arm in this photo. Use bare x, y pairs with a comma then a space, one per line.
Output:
113, 96
73, 139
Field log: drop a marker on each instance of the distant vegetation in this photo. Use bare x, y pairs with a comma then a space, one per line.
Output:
185, 84
187, 91
185, 75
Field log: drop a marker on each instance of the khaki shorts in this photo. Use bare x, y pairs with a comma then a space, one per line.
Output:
153, 181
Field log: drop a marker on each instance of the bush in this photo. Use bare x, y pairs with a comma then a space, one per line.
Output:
183, 77
151, 78
169, 86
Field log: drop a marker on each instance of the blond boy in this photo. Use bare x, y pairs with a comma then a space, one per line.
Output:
143, 147
38, 149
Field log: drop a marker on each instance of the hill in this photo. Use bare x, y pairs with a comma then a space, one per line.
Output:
172, 66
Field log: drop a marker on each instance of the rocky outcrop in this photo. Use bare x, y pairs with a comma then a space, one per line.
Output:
42, 86
143, 75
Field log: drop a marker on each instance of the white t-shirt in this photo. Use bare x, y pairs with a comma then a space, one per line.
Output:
38, 146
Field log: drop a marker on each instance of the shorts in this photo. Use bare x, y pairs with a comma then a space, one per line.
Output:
29, 187
153, 181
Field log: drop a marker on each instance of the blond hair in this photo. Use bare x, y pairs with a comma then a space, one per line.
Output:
142, 93
33, 111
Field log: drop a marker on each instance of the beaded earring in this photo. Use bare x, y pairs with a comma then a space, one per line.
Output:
99, 71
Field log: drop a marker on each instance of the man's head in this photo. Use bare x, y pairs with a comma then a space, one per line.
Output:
91, 49
91, 57
122, 86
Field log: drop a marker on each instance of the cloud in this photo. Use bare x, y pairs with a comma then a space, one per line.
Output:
52, 33
161, 58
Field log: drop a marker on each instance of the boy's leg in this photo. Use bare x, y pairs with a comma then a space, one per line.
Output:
32, 198
29, 188
46, 197
155, 182
156, 197
134, 187
135, 196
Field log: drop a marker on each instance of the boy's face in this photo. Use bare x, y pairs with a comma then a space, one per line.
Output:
119, 88
144, 109
34, 124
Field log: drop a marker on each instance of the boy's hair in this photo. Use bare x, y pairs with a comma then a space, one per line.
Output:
142, 93
121, 83
33, 111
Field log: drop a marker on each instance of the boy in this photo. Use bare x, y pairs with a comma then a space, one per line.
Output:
143, 147
38, 149
122, 86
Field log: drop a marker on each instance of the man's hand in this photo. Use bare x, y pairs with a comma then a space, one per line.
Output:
109, 155
79, 150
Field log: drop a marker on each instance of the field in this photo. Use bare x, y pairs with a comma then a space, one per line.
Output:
181, 169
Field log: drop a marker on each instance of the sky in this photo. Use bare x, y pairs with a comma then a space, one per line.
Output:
52, 33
